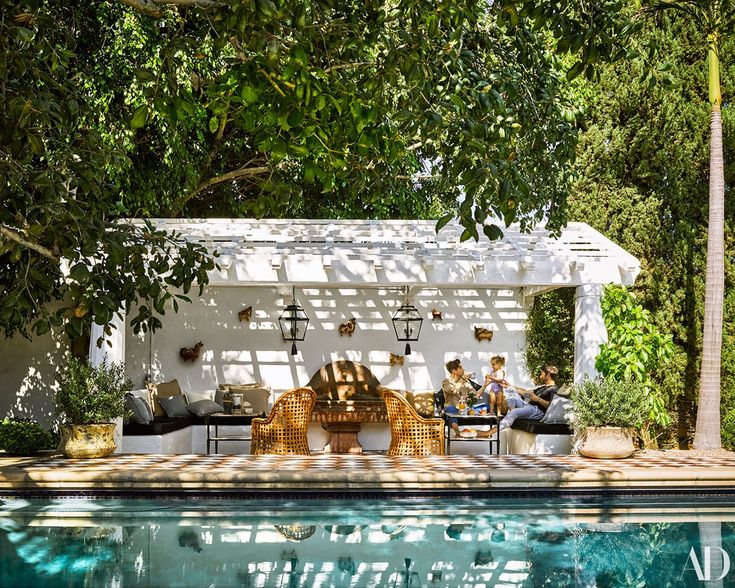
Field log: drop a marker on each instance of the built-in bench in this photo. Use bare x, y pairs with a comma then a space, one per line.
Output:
527, 437
188, 434
183, 435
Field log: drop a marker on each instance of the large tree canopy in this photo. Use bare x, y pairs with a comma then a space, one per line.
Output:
261, 108
350, 108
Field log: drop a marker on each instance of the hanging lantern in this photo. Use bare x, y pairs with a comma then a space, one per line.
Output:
293, 322
407, 323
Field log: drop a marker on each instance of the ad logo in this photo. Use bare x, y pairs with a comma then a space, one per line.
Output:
709, 565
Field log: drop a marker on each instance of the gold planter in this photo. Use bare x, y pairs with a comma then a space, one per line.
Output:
87, 440
607, 443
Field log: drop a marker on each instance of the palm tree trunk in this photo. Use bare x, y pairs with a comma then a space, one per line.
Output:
707, 434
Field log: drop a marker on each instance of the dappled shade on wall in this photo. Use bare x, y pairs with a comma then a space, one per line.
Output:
293, 322
407, 323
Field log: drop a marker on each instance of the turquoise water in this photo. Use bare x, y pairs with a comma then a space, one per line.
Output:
462, 542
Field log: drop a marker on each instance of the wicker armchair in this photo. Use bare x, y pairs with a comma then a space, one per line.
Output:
284, 431
410, 433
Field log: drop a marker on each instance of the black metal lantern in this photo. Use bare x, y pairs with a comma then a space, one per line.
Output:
407, 323
294, 322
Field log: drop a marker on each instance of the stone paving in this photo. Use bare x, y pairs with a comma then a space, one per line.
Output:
661, 470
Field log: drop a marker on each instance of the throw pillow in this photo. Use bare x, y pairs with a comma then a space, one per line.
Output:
174, 406
565, 391
195, 395
204, 407
140, 408
171, 388
145, 395
423, 403
559, 411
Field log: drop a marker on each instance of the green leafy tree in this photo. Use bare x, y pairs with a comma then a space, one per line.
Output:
715, 18
550, 333
610, 28
173, 107
636, 351
274, 104
60, 235
641, 169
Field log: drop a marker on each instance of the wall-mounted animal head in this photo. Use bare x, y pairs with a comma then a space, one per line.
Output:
396, 359
245, 314
348, 327
191, 353
436, 315
483, 334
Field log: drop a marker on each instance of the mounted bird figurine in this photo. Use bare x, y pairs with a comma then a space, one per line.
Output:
483, 334
245, 314
396, 359
348, 327
191, 353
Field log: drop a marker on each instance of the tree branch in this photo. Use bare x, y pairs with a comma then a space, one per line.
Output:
347, 65
151, 7
13, 236
242, 172
419, 177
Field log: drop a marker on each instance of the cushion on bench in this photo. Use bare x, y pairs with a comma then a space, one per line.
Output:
160, 426
540, 428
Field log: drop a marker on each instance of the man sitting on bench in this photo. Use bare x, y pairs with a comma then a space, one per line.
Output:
528, 404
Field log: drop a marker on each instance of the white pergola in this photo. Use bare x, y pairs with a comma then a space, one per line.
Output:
322, 253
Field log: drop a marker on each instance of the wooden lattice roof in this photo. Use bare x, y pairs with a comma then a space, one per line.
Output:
394, 253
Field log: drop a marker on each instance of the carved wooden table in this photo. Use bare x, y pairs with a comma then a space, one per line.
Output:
348, 394
343, 419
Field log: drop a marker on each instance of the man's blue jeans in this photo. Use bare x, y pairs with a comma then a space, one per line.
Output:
520, 410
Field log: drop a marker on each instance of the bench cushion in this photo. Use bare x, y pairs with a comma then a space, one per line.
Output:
540, 428
160, 426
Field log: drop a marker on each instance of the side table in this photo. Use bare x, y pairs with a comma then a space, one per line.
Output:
220, 418
465, 420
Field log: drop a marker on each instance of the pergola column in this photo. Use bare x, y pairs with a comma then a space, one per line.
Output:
589, 330
113, 353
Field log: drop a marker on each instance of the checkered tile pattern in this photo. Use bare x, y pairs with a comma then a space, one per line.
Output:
374, 472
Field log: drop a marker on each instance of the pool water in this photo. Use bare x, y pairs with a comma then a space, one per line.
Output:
462, 542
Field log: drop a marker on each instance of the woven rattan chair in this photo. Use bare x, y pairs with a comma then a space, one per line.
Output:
284, 431
410, 433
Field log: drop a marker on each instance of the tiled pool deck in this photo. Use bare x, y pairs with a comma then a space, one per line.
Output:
647, 470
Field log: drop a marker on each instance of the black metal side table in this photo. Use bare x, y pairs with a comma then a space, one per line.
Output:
220, 418
476, 419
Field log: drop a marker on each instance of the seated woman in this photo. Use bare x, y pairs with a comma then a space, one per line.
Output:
456, 387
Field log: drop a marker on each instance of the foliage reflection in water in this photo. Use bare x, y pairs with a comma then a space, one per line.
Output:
462, 542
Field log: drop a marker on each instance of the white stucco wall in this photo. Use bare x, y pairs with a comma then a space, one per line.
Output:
237, 351
241, 352
27, 375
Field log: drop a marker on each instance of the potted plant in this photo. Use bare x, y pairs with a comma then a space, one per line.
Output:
606, 413
88, 400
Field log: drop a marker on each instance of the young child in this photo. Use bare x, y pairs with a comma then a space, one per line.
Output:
496, 378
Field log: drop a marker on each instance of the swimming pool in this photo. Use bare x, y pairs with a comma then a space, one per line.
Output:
463, 541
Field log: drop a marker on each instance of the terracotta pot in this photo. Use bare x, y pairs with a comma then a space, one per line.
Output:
607, 443
87, 440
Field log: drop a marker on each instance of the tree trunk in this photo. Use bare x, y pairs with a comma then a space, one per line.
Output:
707, 434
